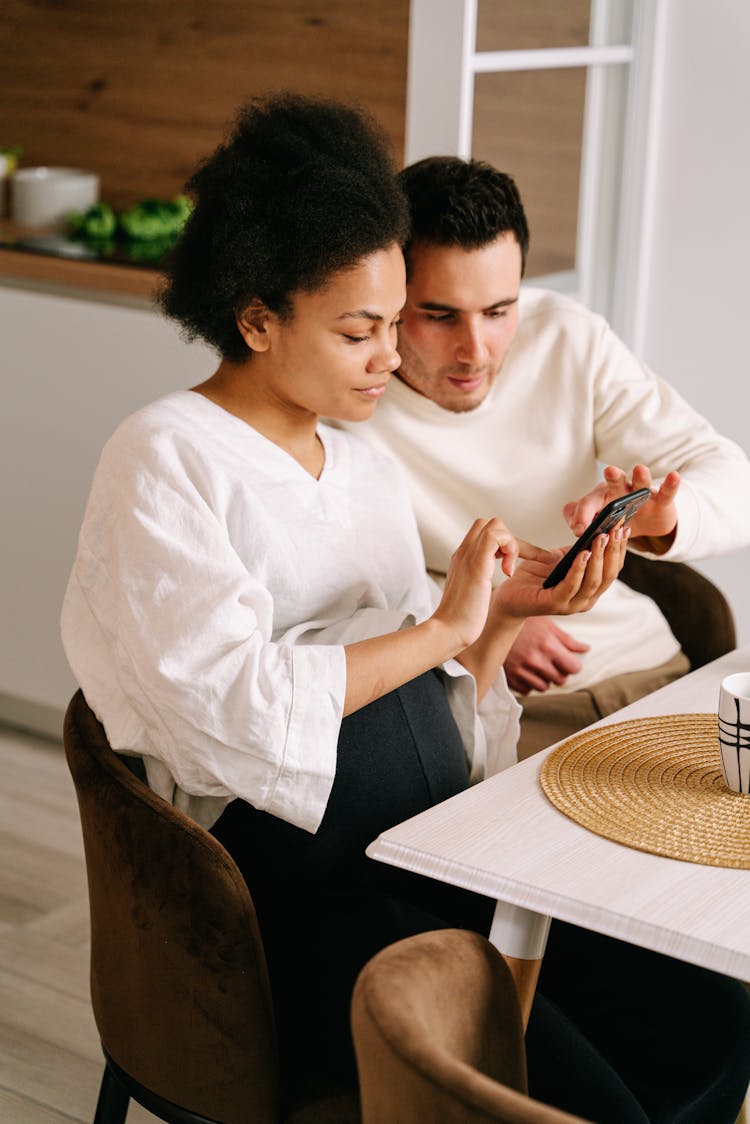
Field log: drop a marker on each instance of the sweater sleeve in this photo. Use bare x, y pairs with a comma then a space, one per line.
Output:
170, 637
639, 418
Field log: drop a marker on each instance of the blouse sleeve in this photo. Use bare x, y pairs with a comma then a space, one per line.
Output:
489, 729
170, 637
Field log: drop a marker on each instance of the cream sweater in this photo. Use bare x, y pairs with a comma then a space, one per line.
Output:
570, 397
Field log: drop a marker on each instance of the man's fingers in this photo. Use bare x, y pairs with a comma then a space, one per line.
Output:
641, 478
569, 641
669, 488
615, 476
530, 681
561, 664
579, 513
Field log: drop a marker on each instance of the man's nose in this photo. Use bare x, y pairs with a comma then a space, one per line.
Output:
471, 346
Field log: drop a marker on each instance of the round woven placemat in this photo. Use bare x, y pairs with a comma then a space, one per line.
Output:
654, 784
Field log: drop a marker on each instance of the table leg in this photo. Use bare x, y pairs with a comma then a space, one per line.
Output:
521, 936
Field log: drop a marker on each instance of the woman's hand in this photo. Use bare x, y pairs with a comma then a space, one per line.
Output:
378, 665
467, 591
592, 572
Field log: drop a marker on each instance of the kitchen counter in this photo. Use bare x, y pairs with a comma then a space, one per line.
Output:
75, 362
83, 276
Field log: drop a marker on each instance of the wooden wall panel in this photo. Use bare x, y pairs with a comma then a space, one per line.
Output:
519, 25
529, 124
139, 90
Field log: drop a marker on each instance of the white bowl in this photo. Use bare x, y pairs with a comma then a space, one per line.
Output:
45, 196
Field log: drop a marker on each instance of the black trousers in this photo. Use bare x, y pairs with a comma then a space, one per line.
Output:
617, 1034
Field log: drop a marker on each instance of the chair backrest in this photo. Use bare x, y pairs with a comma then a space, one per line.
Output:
696, 611
179, 983
438, 1036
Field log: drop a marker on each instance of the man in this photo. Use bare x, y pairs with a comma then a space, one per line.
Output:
507, 401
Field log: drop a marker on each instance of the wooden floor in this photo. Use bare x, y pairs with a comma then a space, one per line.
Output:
50, 1059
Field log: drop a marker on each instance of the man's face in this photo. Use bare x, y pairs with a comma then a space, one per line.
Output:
459, 320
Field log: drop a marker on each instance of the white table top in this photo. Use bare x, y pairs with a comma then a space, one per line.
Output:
504, 839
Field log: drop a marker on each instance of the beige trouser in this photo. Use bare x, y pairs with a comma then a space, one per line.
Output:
549, 718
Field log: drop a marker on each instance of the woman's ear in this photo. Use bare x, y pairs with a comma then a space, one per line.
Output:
252, 324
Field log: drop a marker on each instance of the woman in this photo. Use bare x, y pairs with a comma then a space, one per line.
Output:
248, 609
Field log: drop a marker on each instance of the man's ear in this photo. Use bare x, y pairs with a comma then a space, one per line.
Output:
252, 323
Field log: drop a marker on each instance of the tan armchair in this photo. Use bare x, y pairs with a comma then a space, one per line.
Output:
438, 1036
179, 984
696, 611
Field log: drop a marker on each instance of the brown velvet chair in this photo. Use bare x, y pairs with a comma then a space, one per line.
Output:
179, 984
696, 611
438, 1036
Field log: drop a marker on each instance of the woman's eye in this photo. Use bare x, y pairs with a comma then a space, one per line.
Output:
356, 339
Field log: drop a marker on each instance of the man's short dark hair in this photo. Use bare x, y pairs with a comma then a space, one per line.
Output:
302, 188
467, 203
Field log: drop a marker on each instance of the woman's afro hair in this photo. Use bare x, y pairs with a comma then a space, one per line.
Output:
302, 188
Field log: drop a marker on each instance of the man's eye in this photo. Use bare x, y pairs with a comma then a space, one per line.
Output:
356, 339
439, 317
497, 313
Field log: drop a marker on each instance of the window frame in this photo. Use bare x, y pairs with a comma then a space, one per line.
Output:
620, 132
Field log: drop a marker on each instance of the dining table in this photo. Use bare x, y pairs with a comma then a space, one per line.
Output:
505, 839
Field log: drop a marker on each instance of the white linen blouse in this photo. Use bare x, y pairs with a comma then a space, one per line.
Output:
214, 587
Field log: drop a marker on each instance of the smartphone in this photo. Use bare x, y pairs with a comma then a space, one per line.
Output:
613, 514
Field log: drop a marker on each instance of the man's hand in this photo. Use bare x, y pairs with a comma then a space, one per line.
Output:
654, 525
542, 654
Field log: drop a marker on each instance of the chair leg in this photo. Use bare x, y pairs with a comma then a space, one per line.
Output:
112, 1106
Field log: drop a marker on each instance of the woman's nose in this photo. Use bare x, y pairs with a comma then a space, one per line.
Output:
394, 360
386, 358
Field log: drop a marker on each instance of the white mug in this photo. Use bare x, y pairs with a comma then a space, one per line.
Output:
734, 731
45, 196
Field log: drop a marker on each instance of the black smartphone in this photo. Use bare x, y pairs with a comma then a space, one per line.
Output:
611, 515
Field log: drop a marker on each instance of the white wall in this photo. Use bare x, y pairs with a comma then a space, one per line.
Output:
697, 330
71, 370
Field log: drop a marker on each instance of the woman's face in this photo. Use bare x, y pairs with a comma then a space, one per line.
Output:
335, 355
